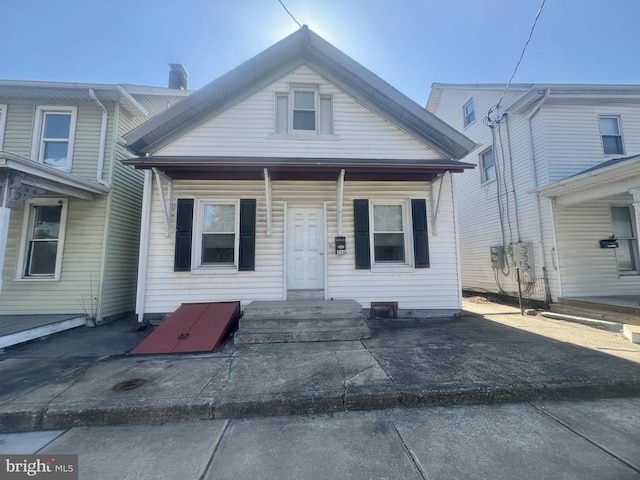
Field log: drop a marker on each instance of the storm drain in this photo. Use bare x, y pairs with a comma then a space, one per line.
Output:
130, 384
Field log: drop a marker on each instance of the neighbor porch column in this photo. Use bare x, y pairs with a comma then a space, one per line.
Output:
145, 228
636, 207
5, 214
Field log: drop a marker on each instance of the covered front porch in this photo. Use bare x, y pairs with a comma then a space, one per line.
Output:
596, 226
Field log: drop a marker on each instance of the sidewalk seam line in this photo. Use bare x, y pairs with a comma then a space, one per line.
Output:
584, 437
215, 449
414, 460
381, 366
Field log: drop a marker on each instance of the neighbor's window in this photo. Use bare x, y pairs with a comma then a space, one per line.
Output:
43, 239
611, 136
487, 166
53, 136
304, 111
389, 238
219, 240
469, 113
625, 232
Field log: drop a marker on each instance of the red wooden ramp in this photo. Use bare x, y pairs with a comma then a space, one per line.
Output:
194, 327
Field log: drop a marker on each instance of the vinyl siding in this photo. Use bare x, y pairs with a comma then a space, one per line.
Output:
247, 129
432, 288
586, 268
123, 236
479, 218
80, 276
572, 136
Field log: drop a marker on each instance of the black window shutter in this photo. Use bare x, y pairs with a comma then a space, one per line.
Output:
420, 234
184, 227
361, 231
247, 252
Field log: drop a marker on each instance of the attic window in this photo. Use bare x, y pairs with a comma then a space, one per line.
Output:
304, 111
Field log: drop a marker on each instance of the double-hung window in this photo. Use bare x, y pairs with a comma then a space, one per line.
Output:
625, 232
611, 136
53, 136
43, 239
487, 166
304, 111
389, 232
218, 242
469, 113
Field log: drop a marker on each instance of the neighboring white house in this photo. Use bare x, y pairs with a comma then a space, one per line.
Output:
299, 174
69, 209
558, 178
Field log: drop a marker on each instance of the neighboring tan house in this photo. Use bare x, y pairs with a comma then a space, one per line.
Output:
69, 209
299, 174
558, 179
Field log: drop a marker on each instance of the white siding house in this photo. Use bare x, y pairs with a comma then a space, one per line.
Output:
558, 171
254, 182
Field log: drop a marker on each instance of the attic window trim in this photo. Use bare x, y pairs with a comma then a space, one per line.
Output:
284, 112
469, 116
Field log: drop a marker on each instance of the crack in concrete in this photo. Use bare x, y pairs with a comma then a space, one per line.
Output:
380, 365
361, 371
344, 381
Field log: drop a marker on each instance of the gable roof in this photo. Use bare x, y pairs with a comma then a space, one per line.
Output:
300, 48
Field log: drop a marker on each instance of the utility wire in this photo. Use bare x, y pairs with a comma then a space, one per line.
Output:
535, 20
291, 15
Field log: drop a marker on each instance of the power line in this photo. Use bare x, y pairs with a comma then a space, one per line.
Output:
533, 26
291, 15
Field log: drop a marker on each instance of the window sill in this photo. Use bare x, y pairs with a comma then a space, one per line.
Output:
392, 268
37, 279
303, 136
215, 270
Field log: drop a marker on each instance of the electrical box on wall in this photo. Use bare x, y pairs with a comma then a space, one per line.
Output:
497, 257
523, 256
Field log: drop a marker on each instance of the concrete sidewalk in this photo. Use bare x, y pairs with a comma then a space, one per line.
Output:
490, 355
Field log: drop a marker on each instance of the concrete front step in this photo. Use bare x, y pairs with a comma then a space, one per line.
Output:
302, 321
596, 313
255, 321
300, 334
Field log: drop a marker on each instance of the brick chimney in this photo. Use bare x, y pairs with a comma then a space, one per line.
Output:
178, 76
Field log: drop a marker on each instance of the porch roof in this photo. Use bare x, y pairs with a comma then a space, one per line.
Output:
46, 178
252, 168
611, 177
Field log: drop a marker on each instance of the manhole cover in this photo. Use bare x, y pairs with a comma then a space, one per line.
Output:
130, 384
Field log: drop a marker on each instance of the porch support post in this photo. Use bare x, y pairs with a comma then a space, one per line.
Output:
636, 207
5, 214
435, 204
145, 228
267, 194
165, 199
340, 201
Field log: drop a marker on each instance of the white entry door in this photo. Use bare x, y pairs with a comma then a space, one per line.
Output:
305, 248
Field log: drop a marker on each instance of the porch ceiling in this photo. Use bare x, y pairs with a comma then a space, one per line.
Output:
252, 168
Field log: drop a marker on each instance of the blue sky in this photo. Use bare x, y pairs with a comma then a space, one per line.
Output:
409, 43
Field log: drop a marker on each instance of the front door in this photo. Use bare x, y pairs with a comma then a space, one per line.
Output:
305, 252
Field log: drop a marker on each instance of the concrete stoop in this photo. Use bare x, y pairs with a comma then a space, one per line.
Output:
301, 321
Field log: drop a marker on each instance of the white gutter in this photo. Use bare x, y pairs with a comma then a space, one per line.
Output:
103, 139
145, 228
